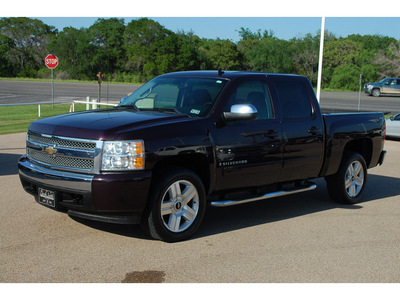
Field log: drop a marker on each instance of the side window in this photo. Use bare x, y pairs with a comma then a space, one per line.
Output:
255, 93
294, 99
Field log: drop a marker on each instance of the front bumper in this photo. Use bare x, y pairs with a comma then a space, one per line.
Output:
115, 198
367, 91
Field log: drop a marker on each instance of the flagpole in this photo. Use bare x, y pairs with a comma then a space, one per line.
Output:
321, 54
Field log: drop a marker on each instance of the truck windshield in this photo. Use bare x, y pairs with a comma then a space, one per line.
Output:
383, 80
187, 95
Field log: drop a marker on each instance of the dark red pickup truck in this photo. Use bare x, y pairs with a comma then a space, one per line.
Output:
187, 140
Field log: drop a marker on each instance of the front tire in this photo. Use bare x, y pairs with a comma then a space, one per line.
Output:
348, 184
176, 206
376, 92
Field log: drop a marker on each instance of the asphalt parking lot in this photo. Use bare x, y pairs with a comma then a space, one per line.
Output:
295, 239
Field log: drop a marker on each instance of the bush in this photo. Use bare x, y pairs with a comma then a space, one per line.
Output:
346, 78
126, 77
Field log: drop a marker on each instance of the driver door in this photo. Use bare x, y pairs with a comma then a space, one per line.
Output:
249, 152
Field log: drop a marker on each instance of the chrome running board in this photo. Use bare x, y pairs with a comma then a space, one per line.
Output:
224, 203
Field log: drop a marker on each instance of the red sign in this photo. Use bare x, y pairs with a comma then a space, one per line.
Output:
51, 61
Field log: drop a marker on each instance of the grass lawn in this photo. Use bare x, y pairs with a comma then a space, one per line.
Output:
18, 118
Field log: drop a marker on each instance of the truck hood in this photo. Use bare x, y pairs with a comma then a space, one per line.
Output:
102, 124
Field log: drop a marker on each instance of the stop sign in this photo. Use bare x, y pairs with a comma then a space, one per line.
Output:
51, 61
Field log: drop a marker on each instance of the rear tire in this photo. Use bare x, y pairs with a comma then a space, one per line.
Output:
348, 184
177, 205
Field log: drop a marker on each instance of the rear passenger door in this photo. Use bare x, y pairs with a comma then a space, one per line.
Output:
302, 128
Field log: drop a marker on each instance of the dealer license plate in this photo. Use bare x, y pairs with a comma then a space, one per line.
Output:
47, 197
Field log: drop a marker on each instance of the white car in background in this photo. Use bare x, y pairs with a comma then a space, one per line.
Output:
393, 126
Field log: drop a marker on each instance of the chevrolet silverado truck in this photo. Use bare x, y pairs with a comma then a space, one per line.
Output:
385, 86
187, 140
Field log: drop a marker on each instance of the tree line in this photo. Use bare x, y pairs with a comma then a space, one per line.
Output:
142, 49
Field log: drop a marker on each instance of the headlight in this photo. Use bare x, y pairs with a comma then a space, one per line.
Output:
123, 155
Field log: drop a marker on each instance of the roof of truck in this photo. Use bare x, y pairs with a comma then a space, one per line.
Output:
225, 74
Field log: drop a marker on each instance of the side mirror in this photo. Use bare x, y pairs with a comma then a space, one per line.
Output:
392, 118
123, 99
241, 112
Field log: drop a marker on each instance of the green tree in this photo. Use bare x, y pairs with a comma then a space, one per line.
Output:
371, 44
248, 41
341, 52
189, 55
221, 54
7, 64
388, 61
153, 50
264, 52
30, 37
272, 55
346, 77
74, 49
142, 38
305, 55
107, 36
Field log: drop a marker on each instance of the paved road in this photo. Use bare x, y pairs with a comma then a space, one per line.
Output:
347, 101
32, 91
299, 238
29, 91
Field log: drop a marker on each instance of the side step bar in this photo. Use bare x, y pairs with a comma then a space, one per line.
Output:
225, 203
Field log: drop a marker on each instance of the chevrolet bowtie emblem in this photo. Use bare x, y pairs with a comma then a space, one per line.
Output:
50, 150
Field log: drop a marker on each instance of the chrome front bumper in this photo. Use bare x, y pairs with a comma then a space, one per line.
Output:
115, 198
53, 178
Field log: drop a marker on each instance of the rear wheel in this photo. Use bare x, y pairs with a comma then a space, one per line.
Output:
177, 206
348, 184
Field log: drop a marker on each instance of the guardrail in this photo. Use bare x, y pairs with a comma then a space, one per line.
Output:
88, 102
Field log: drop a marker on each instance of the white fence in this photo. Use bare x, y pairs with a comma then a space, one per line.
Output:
88, 102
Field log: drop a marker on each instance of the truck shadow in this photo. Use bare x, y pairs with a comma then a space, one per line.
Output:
220, 220
9, 164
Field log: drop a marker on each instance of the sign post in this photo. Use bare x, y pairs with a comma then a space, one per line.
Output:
51, 62
99, 80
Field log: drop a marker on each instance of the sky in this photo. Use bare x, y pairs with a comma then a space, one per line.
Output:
282, 27
223, 19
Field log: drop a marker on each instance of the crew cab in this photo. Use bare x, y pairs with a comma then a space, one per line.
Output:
385, 86
187, 140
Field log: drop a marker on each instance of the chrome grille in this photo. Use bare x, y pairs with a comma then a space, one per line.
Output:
64, 153
63, 161
67, 143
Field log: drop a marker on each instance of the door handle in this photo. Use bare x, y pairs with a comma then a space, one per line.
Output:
272, 134
314, 130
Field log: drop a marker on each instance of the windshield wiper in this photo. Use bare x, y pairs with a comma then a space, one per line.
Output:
163, 109
129, 106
